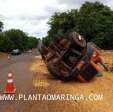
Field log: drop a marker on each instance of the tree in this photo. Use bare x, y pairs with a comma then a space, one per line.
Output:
5, 43
61, 22
32, 42
16, 39
1, 26
93, 20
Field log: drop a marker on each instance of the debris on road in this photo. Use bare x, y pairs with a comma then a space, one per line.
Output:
39, 66
39, 80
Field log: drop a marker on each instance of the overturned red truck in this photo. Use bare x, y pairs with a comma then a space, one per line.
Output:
71, 57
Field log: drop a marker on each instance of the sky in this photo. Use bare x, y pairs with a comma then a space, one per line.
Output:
32, 16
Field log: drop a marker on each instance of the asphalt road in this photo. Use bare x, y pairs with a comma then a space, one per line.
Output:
22, 76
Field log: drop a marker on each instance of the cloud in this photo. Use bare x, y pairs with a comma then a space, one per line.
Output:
28, 15
25, 17
77, 3
32, 15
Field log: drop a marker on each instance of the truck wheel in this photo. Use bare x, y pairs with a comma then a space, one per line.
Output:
77, 41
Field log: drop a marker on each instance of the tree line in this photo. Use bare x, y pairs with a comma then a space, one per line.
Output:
93, 20
16, 39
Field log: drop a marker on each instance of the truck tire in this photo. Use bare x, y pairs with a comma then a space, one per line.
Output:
77, 41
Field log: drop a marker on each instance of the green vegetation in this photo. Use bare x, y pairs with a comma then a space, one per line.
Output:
1, 26
93, 20
16, 39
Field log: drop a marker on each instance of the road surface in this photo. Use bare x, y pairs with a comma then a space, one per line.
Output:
29, 82
22, 76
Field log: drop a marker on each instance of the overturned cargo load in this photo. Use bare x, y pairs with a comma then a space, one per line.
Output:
71, 57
